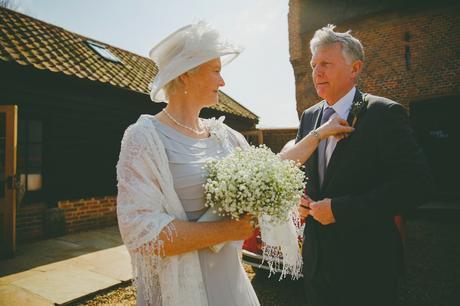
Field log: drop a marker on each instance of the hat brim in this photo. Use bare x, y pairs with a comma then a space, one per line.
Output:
157, 92
177, 66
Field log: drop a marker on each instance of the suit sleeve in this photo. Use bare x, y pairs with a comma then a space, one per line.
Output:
406, 181
301, 128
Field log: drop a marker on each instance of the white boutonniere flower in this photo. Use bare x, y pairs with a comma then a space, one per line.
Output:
216, 127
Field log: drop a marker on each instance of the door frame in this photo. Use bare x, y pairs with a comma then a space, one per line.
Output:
8, 203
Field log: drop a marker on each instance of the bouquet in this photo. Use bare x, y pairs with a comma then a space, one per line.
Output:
258, 182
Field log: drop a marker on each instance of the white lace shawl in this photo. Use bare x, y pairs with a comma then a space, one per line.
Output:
146, 205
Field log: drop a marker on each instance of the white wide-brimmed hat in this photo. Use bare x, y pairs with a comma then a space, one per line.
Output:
184, 50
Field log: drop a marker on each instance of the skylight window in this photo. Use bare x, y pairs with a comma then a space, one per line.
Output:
102, 51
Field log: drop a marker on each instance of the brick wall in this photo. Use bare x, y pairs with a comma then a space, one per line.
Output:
432, 36
84, 214
274, 138
299, 56
29, 222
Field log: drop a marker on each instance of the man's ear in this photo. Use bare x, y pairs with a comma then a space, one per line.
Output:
356, 68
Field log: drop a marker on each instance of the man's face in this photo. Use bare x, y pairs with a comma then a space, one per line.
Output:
332, 75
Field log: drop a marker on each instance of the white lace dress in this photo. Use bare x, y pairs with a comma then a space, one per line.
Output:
160, 179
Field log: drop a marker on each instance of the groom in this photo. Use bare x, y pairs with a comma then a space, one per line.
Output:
352, 249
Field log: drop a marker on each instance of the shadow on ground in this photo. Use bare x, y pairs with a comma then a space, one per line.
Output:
41, 253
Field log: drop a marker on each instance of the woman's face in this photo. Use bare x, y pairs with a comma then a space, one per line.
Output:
203, 84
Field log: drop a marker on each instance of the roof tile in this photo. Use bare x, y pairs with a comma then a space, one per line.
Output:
29, 41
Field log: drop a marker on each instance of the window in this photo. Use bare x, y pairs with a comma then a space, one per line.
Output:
102, 51
30, 157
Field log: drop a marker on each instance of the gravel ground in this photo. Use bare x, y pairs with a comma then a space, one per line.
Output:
432, 275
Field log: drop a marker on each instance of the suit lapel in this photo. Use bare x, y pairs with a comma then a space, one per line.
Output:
341, 146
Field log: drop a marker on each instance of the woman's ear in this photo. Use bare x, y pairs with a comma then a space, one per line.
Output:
184, 77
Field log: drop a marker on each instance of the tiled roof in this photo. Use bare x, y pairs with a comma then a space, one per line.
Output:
31, 42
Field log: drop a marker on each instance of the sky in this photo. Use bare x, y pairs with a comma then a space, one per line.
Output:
261, 78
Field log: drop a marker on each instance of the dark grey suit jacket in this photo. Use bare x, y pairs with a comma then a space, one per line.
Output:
377, 172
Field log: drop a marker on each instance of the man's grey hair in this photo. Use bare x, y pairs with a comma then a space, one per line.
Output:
352, 49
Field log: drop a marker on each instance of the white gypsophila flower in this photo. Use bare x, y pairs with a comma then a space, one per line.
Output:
254, 181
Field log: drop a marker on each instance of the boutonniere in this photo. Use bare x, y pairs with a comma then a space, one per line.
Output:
356, 110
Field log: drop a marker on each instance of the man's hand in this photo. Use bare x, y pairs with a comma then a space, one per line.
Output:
304, 206
321, 211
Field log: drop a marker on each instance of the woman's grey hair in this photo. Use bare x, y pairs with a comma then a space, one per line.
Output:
352, 49
175, 84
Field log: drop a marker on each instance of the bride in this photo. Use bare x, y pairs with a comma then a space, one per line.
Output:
160, 178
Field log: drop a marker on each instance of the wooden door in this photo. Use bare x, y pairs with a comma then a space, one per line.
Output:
8, 143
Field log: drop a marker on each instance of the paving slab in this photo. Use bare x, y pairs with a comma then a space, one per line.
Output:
63, 269
12, 295
64, 285
17, 276
119, 256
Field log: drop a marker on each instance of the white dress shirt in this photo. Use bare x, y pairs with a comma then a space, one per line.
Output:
342, 108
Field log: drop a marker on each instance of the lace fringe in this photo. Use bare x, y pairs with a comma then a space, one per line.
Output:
274, 258
273, 254
146, 264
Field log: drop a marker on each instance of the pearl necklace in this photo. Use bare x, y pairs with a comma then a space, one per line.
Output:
196, 131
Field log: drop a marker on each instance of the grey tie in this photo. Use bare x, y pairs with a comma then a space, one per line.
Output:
327, 113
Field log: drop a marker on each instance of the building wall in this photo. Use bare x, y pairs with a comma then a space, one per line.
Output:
411, 55
29, 222
275, 138
85, 214
78, 215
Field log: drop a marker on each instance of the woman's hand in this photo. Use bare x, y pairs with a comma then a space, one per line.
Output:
337, 127
303, 149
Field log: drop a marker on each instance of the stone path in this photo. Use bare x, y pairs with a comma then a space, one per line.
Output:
62, 269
